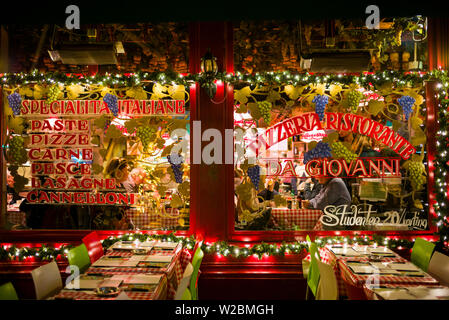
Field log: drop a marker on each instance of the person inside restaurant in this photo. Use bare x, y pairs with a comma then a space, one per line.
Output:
268, 193
333, 192
311, 188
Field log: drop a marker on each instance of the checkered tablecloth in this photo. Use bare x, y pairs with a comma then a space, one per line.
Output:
303, 218
159, 293
174, 271
371, 295
342, 272
145, 220
16, 217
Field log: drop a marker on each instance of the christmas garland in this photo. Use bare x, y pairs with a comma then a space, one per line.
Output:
220, 248
264, 78
45, 252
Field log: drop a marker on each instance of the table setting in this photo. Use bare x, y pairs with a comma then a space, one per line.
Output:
406, 292
132, 270
361, 264
115, 287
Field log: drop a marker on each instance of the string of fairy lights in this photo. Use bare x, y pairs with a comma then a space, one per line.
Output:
220, 248
367, 80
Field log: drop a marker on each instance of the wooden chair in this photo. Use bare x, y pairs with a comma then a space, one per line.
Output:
47, 280
439, 268
328, 286
183, 284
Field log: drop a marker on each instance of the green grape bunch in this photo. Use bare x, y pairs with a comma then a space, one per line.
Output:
265, 110
17, 150
53, 93
146, 135
354, 98
416, 170
342, 152
244, 191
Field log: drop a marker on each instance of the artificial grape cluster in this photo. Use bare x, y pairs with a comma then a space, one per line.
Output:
265, 110
53, 93
111, 102
416, 170
321, 150
254, 175
14, 102
406, 102
17, 150
146, 135
354, 98
320, 104
397, 37
342, 152
176, 165
244, 191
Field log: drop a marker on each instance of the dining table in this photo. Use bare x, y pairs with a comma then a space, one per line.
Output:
371, 264
141, 270
406, 292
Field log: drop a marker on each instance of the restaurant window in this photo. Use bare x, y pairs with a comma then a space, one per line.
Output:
106, 152
319, 153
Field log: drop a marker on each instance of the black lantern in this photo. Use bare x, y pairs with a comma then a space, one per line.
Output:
209, 68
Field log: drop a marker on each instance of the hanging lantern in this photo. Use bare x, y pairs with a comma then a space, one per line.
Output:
209, 69
209, 64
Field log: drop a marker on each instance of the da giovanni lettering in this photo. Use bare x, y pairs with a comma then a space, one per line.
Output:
364, 215
362, 167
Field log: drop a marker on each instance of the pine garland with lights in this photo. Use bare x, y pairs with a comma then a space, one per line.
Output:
220, 248
45, 252
265, 78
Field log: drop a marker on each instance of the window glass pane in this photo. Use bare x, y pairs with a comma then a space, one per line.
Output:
98, 157
333, 157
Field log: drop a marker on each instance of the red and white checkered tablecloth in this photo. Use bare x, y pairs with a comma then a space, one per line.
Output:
16, 217
174, 271
159, 293
342, 272
144, 220
303, 218
371, 295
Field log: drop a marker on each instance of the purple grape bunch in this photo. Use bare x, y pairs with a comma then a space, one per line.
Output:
321, 150
15, 100
320, 104
176, 161
111, 102
406, 102
254, 175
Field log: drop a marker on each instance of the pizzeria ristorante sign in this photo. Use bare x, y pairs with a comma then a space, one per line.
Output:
61, 152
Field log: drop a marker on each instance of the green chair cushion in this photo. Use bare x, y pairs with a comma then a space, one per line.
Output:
7, 292
422, 252
196, 262
79, 256
186, 295
313, 277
